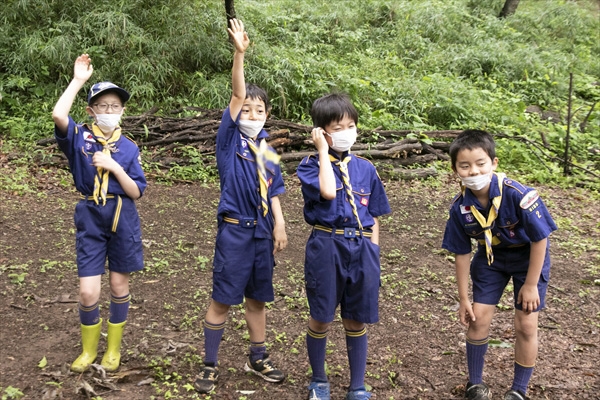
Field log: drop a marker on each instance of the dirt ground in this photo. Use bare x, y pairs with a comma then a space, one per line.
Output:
416, 351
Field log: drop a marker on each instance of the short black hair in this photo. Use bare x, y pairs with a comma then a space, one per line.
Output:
256, 92
332, 108
472, 139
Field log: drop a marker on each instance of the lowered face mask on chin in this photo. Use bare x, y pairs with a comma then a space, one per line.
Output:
342, 141
477, 182
108, 122
250, 128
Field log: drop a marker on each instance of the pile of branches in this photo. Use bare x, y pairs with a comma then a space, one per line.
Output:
291, 140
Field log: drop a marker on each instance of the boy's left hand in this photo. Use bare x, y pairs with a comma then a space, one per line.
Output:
529, 298
279, 238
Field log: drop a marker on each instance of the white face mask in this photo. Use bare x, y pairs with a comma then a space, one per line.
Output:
251, 128
342, 141
108, 122
477, 182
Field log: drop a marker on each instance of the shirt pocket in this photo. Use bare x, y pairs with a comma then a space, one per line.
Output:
362, 194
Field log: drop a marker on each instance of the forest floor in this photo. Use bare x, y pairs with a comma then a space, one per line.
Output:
416, 351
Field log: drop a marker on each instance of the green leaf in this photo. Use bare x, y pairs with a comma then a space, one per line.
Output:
43, 362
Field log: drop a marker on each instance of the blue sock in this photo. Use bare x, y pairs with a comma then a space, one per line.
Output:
522, 377
119, 308
316, 343
89, 315
476, 350
257, 350
356, 344
212, 340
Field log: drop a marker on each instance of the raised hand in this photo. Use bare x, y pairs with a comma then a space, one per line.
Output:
238, 36
83, 68
318, 137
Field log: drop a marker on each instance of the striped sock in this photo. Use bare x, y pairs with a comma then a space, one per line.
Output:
89, 315
316, 343
257, 349
212, 339
357, 344
119, 308
476, 350
522, 376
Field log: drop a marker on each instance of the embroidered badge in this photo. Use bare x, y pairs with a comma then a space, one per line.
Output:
465, 209
269, 182
529, 199
88, 146
469, 217
244, 143
364, 201
88, 137
511, 233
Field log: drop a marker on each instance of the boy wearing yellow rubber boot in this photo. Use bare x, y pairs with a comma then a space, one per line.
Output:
106, 171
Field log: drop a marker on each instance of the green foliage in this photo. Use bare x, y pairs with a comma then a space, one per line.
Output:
426, 65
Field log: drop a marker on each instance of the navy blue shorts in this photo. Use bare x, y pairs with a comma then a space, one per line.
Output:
344, 271
95, 241
489, 281
243, 266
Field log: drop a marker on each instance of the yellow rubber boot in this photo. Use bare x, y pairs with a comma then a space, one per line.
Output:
90, 334
112, 357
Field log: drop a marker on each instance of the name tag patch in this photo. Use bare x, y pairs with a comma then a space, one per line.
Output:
529, 199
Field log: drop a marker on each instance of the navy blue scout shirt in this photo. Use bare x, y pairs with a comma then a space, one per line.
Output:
522, 218
240, 190
369, 194
79, 145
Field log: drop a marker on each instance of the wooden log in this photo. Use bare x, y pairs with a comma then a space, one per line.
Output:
408, 174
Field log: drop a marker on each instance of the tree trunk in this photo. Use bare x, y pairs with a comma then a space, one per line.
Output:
229, 10
510, 6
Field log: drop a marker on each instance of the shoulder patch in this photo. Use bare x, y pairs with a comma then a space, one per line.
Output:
529, 199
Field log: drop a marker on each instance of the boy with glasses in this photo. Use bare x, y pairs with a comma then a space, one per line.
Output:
107, 172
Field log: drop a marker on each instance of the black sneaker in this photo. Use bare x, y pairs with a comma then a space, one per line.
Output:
205, 382
265, 369
514, 395
479, 391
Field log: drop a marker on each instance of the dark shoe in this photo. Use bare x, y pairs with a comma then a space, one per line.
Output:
318, 391
514, 395
205, 382
480, 391
358, 395
265, 369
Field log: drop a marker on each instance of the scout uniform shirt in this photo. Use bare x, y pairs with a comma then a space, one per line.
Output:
240, 196
369, 194
79, 145
522, 218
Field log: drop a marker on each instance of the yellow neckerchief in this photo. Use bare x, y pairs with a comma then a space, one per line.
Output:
487, 225
262, 154
101, 178
343, 165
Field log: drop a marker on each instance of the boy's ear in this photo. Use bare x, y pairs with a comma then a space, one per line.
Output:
494, 163
88, 109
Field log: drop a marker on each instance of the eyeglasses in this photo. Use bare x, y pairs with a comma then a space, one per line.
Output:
103, 107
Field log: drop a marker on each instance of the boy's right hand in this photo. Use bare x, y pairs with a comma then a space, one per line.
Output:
318, 137
239, 37
83, 68
465, 313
